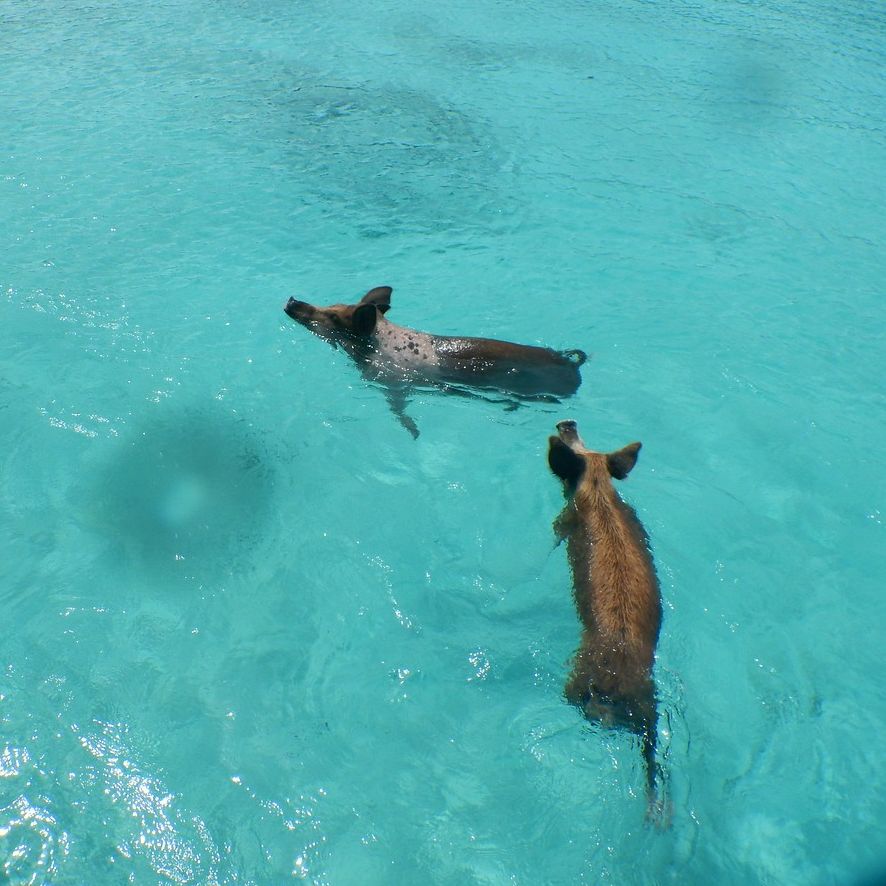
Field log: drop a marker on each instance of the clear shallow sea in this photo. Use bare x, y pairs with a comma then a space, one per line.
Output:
252, 632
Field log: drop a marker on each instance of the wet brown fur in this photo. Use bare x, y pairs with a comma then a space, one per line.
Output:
616, 592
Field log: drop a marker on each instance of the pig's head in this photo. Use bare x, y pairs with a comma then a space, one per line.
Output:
582, 469
342, 324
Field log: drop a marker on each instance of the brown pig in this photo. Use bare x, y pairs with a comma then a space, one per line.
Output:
616, 594
401, 358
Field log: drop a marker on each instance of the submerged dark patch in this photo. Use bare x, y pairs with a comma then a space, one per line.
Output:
175, 494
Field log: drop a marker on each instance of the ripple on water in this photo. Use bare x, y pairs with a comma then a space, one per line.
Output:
176, 846
32, 843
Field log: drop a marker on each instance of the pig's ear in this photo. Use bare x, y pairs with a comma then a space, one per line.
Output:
380, 297
364, 319
566, 464
621, 462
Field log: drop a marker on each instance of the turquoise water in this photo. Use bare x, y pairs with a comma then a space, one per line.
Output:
252, 631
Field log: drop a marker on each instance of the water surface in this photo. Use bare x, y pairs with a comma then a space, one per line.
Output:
253, 632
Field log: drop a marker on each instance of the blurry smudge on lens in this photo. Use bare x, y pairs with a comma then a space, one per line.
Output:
189, 491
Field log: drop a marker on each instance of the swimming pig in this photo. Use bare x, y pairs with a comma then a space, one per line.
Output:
616, 594
400, 357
